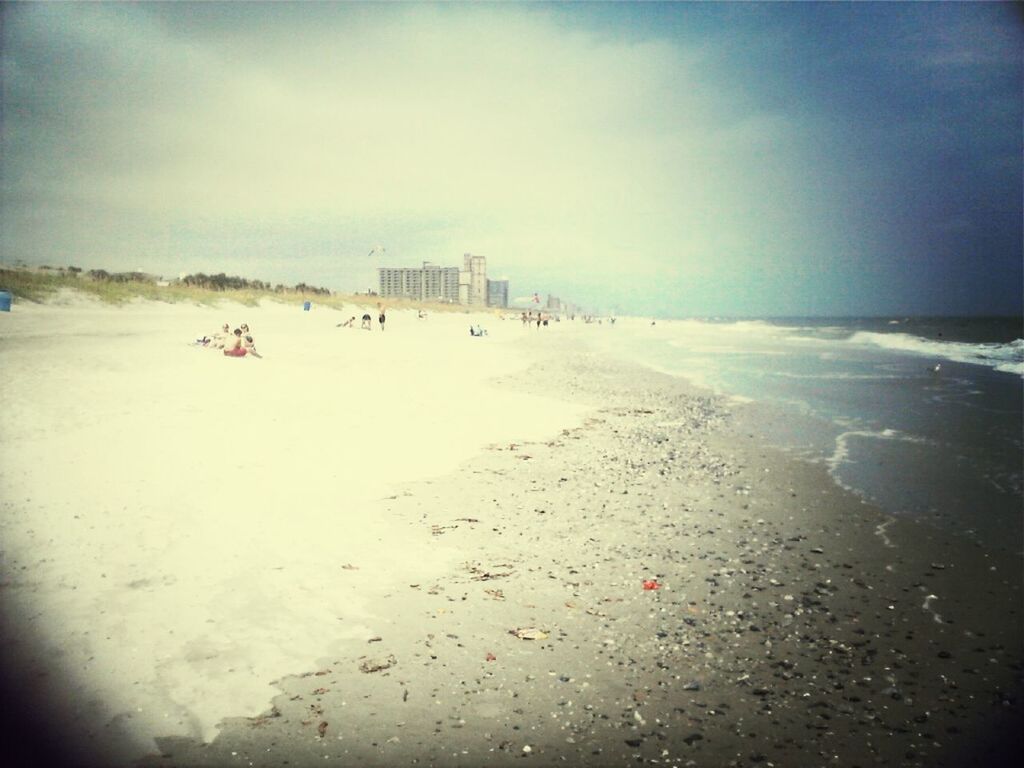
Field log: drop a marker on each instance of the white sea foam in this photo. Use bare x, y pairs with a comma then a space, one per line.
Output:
720, 338
1007, 357
835, 376
841, 454
693, 376
734, 328
708, 348
927, 606
881, 533
759, 327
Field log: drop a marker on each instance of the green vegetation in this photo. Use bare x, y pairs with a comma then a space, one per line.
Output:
43, 283
39, 285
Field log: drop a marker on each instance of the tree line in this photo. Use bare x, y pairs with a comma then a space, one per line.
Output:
222, 282
218, 282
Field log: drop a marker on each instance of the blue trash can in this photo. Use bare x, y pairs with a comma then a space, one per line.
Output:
306, 305
5, 301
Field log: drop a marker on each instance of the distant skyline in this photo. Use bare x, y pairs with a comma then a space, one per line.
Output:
668, 159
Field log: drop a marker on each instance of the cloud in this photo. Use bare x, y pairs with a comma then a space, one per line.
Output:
439, 114
296, 136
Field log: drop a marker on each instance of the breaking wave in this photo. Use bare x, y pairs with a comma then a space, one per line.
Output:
1007, 357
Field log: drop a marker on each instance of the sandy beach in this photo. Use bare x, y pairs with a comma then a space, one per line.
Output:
414, 546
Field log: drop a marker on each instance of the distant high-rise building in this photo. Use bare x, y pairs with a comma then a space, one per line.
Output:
440, 283
497, 293
430, 282
426, 283
554, 304
474, 277
398, 282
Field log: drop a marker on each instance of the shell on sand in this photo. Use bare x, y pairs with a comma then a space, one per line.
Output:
377, 663
529, 633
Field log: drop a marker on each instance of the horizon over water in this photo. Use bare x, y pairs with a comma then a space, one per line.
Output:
921, 415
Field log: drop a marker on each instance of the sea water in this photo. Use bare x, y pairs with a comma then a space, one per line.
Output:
922, 416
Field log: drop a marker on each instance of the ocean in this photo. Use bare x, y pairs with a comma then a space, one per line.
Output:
921, 416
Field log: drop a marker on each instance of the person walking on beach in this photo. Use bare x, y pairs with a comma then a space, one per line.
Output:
380, 317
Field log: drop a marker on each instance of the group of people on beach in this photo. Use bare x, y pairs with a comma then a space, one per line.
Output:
540, 318
237, 343
367, 324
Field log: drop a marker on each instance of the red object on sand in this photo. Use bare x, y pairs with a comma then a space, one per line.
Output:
651, 584
238, 352
491, 657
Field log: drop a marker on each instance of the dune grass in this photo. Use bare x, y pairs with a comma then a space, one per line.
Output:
42, 285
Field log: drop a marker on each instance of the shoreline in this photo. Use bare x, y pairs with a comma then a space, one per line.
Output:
795, 624
942, 447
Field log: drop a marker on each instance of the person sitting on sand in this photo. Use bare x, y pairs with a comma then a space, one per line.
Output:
234, 348
217, 340
250, 346
421, 314
347, 323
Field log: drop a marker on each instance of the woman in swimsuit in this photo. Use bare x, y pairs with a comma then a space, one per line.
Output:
234, 347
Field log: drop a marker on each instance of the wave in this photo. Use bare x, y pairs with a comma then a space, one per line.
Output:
1007, 357
841, 454
837, 376
732, 327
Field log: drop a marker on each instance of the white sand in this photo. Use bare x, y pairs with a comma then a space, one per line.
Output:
174, 522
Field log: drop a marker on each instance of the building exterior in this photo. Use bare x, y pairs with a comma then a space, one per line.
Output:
475, 279
554, 304
497, 293
427, 283
397, 282
440, 283
468, 286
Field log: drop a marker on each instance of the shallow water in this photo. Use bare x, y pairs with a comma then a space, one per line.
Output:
864, 397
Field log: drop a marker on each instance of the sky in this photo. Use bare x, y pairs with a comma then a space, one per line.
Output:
664, 159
